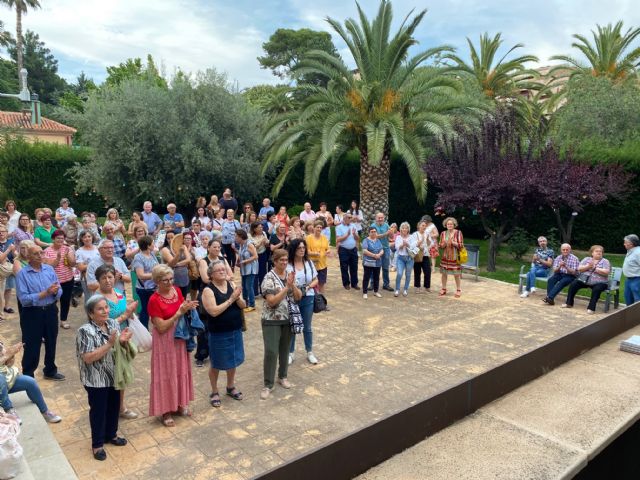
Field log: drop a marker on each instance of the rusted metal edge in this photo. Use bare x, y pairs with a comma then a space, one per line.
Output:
358, 451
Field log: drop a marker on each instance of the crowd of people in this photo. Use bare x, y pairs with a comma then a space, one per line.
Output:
182, 272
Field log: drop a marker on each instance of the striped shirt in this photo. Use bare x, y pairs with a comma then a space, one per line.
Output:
571, 263
99, 374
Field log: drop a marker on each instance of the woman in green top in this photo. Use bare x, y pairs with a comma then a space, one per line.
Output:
43, 232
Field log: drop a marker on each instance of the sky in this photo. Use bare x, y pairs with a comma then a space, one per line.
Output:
193, 35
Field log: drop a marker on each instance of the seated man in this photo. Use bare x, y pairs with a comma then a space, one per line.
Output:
540, 264
594, 274
565, 269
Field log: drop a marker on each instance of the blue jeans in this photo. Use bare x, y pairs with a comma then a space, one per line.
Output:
631, 290
248, 292
386, 262
306, 309
404, 264
536, 271
557, 282
23, 383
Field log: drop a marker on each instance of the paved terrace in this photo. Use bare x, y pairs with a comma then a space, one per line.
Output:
376, 356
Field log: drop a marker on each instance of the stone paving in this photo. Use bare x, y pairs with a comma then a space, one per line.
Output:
376, 356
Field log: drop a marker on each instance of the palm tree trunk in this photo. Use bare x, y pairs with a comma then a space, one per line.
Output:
374, 185
19, 39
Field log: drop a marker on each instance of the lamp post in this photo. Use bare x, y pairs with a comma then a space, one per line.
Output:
26, 97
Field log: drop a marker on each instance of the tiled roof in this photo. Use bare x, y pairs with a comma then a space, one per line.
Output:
22, 120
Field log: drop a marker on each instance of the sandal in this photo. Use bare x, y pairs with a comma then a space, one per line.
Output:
65, 325
183, 412
443, 292
214, 399
167, 421
234, 393
458, 292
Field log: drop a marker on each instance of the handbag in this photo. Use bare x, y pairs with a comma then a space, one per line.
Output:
295, 317
139, 335
319, 303
463, 256
6, 269
194, 273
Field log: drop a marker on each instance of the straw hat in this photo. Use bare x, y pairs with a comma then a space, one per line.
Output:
177, 242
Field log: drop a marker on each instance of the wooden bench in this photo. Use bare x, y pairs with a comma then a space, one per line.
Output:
473, 259
613, 289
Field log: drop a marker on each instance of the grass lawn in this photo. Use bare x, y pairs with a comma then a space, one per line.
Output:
507, 268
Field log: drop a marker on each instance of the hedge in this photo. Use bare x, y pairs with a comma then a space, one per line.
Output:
37, 175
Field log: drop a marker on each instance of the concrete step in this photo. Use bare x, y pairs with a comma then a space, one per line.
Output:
43, 458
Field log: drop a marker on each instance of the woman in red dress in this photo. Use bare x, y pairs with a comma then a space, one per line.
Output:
171, 383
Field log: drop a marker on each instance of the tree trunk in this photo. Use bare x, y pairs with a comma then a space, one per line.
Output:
374, 186
565, 231
19, 40
496, 238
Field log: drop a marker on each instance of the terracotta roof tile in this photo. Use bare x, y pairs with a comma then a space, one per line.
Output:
22, 120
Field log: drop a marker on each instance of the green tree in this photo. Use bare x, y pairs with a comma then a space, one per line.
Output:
176, 143
21, 7
9, 84
270, 99
599, 121
607, 57
133, 68
501, 79
287, 47
42, 66
387, 104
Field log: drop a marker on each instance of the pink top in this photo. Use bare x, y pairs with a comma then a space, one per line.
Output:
63, 271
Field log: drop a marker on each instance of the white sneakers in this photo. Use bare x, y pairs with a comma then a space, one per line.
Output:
396, 293
524, 294
292, 357
312, 358
51, 417
377, 294
265, 392
365, 296
405, 293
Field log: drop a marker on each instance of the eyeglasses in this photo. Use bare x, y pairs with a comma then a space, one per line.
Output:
167, 280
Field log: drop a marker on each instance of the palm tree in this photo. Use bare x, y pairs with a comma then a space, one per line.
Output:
502, 80
605, 57
387, 103
20, 6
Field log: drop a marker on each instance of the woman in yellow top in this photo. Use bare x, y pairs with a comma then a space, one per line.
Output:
317, 251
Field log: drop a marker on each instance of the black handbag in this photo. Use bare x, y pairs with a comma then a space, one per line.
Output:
319, 303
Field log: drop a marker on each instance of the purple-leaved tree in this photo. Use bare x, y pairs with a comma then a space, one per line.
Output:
490, 170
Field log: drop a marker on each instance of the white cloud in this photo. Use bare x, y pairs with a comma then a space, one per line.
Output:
197, 34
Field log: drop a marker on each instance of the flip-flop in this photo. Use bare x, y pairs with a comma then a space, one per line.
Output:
443, 291
458, 292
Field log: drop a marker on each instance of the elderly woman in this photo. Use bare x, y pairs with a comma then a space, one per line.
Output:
372, 252
171, 387
423, 242
404, 262
44, 232
261, 242
113, 219
178, 261
317, 250
248, 262
143, 263
279, 239
451, 242
118, 311
229, 227
278, 289
222, 312
63, 260
24, 230
63, 212
12, 381
296, 230
593, 273
136, 221
306, 280
7, 251
84, 256
631, 269
96, 361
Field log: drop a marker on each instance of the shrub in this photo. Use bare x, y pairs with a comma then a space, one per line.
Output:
36, 175
519, 243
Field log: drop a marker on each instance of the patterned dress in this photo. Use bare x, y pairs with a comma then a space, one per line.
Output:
449, 259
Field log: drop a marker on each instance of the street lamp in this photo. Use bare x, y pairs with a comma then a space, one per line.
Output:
26, 97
